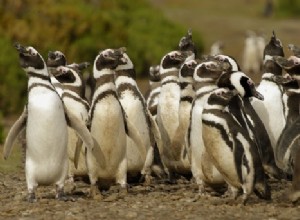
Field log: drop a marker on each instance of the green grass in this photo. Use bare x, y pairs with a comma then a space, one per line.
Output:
13, 163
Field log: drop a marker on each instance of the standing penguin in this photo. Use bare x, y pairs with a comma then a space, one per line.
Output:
187, 95
205, 173
109, 126
136, 110
244, 112
230, 148
168, 108
271, 110
45, 118
72, 83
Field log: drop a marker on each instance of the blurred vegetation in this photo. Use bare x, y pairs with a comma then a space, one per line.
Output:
80, 28
288, 8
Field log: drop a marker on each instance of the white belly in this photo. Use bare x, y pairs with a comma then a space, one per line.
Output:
46, 134
107, 128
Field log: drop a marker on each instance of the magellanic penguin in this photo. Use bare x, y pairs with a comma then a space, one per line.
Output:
244, 112
168, 109
230, 148
109, 126
72, 83
204, 172
138, 161
154, 91
45, 118
271, 110
289, 140
187, 95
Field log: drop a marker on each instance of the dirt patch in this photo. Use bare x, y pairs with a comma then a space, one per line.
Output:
157, 201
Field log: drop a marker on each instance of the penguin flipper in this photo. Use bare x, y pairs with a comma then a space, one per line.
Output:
77, 152
80, 128
155, 130
134, 134
15, 130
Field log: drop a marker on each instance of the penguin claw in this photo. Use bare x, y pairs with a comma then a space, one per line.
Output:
31, 198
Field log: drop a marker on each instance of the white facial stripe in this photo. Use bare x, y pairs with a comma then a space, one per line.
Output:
235, 81
77, 82
294, 59
39, 71
267, 57
97, 74
33, 51
128, 65
163, 71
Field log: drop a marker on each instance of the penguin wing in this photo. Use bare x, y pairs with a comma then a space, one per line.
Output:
15, 130
154, 129
134, 134
80, 128
77, 152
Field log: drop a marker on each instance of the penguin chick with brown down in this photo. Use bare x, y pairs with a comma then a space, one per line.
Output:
139, 161
230, 147
46, 119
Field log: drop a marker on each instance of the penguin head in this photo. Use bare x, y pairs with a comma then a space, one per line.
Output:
125, 63
186, 42
30, 59
208, 71
154, 73
108, 59
78, 67
56, 58
295, 49
221, 97
274, 47
187, 69
173, 60
65, 74
242, 83
228, 62
291, 65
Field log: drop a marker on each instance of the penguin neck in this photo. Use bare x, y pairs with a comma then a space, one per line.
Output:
186, 83
154, 84
169, 77
204, 85
126, 76
105, 76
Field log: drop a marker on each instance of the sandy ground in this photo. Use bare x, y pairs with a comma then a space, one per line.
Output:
156, 201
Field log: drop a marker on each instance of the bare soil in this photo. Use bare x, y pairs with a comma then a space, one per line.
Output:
156, 201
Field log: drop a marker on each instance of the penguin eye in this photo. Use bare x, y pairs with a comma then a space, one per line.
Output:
172, 56
249, 82
32, 53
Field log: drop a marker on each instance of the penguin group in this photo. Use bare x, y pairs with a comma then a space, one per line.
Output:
203, 119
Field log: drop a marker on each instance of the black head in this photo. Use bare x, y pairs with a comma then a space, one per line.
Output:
274, 47
186, 43
243, 84
109, 59
188, 68
30, 59
208, 71
56, 58
173, 59
221, 97
229, 63
154, 73
291, 65
78, 67
65, 74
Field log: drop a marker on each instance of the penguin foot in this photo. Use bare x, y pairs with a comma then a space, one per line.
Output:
94, 194
146, 179
245, 198
60, 195
123, 190
31, 197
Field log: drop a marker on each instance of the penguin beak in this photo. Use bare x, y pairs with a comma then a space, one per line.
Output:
82, 66
256, 94
21, 49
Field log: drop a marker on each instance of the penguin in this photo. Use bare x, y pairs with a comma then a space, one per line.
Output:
288, 143
168, 109
230, 147
109, 126
217, 48
187, 95
45, 119
137, 112
271, 110
71, 82
204, 172
243, 111
153, 94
